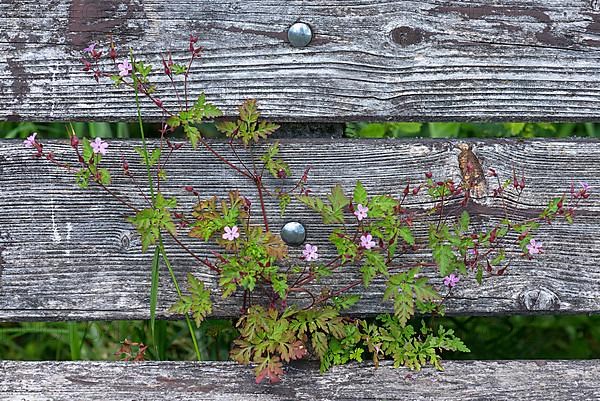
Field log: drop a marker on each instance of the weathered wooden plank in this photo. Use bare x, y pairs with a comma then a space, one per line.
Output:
466, 380
372, 59
67, 253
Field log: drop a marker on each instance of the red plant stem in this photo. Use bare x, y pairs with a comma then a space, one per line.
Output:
334, 294
139, 189
185, 79
238, 157
144, 92
205, 262
123, 201
224, 160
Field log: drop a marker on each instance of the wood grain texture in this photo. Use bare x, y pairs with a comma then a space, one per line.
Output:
468, 380
68, 253
371, 59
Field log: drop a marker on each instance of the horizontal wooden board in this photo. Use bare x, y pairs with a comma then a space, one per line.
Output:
68, 253
468, 380
372, 59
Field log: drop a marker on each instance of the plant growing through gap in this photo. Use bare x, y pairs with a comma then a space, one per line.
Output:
292, 308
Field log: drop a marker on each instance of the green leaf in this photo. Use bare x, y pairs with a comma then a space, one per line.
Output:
150, 221
273, 164
151, 159
360, 194
174, 121
280, 285
343, 302
82, 177
198, 303
143, 69
117, 80
319, 343
338, 200
104, 176
193, 134
284, 201
178, 69
203, 109
405, 233
444, 257
88, 152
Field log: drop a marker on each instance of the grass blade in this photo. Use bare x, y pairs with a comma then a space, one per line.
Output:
154, 296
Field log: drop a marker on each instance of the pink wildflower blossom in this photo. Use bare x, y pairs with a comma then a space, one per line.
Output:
366, 241
310, 252
30, 141
451, 280
585, 187
99, 146
90, 48
361, 212
534, 247
124, 68
231, 233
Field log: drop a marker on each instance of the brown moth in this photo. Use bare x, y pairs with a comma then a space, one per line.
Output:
471, 170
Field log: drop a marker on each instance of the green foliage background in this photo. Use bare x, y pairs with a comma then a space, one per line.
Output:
514, 337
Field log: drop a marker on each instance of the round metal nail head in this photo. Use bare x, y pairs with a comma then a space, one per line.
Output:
293, 233
299, 34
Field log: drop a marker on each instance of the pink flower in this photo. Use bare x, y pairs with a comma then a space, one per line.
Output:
366, 241
30, 141
99, 146
585, 187
124, 68
534, 247
361, 212
310, 252
90, 48
231, 233
451, 280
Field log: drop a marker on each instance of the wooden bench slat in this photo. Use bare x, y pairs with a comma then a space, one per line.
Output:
69, 254
376, 59
461, 380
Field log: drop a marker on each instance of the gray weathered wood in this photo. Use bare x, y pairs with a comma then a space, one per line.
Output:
68, 253
373, 59
468, 380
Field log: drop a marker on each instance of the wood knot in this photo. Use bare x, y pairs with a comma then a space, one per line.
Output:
406, 36
125, 241
539, 299
471, 170
595, 5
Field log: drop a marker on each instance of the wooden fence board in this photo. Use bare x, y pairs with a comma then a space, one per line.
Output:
466, 380
68, 253
373, 59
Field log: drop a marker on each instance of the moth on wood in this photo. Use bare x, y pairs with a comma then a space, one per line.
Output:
471, 170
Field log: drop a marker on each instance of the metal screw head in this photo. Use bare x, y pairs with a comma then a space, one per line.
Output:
293, 233
299, 34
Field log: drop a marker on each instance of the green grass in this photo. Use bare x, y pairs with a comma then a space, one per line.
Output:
515, 337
